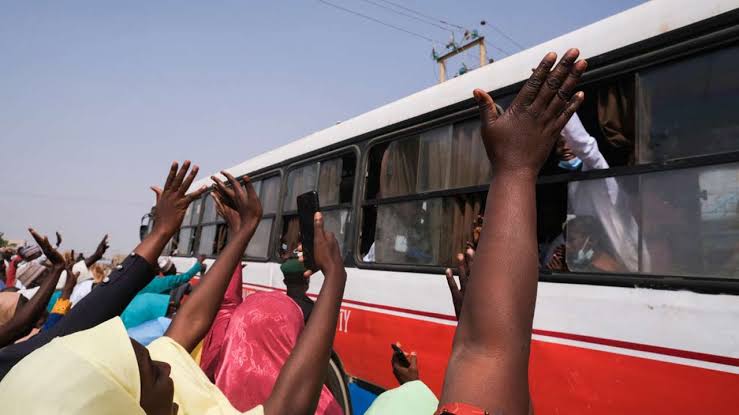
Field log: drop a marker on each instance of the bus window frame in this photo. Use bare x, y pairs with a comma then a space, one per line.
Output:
218, 221
264, 176
610, 67
351, 206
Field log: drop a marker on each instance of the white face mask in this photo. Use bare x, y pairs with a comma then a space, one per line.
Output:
585, 253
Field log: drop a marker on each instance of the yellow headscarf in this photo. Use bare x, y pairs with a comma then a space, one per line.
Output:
95, 372
89, 372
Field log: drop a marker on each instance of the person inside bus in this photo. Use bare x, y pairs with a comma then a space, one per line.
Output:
265, 327
464, 265
109, 299
488, 367
604, 200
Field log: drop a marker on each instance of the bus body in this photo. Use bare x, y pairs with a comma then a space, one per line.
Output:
659, 338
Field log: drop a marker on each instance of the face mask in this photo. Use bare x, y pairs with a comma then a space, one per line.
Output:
571, 165
584, 254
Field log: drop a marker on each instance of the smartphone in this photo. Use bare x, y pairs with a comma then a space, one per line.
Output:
307, 208
397, 351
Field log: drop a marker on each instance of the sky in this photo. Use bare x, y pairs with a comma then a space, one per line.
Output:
97, 98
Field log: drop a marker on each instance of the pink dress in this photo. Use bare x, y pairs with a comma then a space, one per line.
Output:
248, 344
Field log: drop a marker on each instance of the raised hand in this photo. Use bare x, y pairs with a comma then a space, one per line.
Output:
172, 201
58, 239
238, 207
522, 137
51, 253
464, 262
403, 373
102, 247
326, 252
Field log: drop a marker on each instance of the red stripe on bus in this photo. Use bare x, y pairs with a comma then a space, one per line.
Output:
686, 354
724, 360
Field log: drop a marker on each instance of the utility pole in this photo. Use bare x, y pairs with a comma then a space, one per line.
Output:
478, 41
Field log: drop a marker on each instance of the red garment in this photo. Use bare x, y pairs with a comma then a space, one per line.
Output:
10, 273
249, 343
460, 409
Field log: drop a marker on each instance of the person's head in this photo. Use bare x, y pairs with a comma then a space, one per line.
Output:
584, 236
103, 371
292, 271
166, 266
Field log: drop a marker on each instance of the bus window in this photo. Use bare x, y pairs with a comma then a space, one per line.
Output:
333, 179
689, 107
259, 245
299, 181
268, 190
424, 230
184, 242
682, 222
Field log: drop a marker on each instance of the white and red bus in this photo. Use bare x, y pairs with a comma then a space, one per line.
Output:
400, 185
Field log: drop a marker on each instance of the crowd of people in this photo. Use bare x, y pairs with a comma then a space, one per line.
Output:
123, 342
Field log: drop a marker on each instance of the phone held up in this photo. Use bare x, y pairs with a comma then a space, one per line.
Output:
307, 208
398, 352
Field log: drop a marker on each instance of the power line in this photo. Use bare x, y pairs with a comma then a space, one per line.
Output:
377, 21
416, 12
500, 32
408, 15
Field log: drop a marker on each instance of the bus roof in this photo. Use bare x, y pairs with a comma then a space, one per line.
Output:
643, 22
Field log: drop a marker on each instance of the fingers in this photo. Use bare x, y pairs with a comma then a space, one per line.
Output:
450, 281
170, 176
232, 181
565, 116
250, 192
189, 179
531, 88
463, 272
486, 105
564, 94
177, 182
157, 191
219, 205
318, 225
413, 359
554, 81
36, 236
196, 194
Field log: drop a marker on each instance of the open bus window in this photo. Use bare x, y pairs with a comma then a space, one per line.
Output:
689, 107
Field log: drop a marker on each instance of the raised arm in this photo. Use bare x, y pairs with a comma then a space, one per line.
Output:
298, 386
26, 317
195, 317
99, 252
488, 367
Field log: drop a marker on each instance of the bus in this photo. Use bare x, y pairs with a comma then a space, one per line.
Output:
401, 185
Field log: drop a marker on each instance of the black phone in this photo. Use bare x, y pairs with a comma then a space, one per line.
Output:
397, 351
307, 208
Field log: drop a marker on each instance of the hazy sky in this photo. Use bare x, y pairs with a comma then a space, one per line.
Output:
98, 97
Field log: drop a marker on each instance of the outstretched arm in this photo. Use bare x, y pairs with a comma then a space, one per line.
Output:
488, 367
298, 386
99, 252
23, 321
195, 317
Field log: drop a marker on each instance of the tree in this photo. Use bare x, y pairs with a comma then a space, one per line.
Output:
3, 241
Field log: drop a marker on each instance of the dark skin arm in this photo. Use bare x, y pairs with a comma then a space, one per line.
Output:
488, 367
26, 317
195, 317
298, 386
71, 280
171, 205
99, 252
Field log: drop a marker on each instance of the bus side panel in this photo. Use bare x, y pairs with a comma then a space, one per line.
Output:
564, 378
